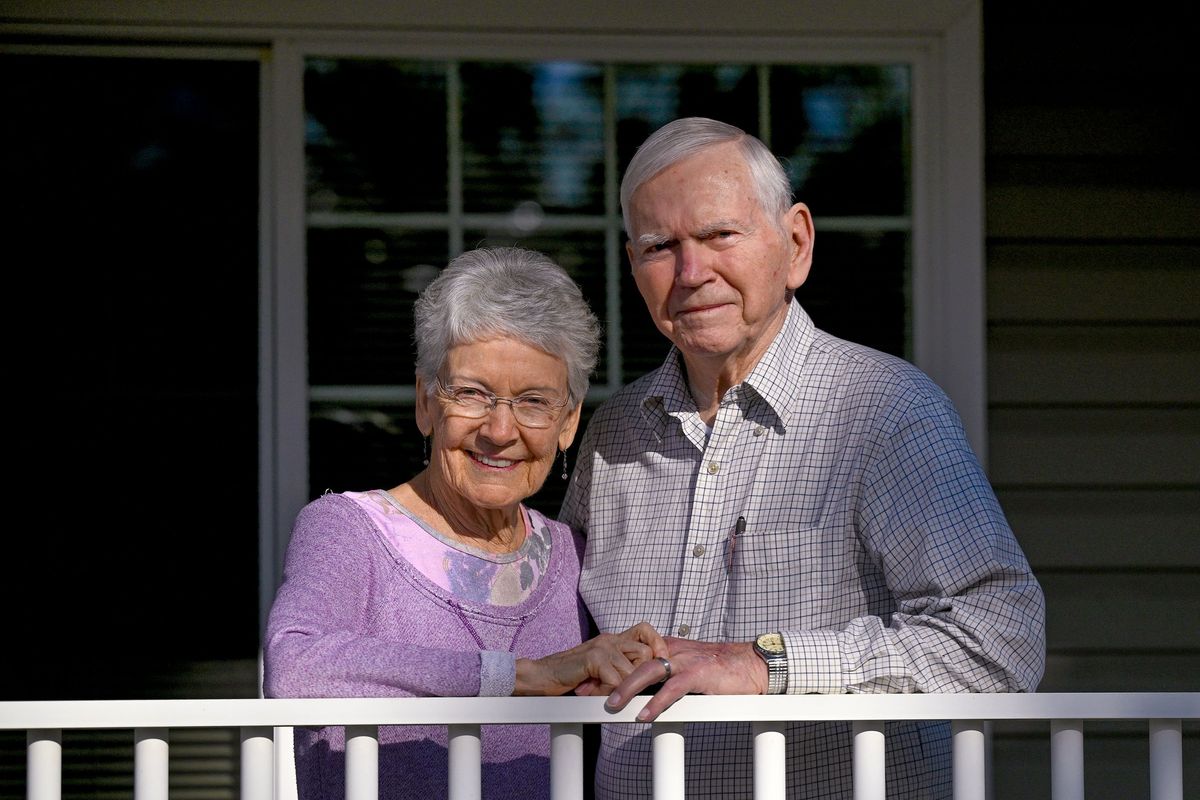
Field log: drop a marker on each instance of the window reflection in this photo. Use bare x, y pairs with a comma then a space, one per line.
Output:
362, 283
533, 132
375, 135
842, 133
394, 145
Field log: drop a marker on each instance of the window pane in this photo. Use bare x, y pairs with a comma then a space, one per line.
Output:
360, 447
858, 289
650, 96
362, 284
533, 132
533, 151
376, 135
842, 133
130, 210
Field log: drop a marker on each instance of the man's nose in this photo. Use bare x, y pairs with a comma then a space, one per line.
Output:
693, 266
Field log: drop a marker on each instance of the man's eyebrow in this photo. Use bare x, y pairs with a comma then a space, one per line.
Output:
721, 225
647, 239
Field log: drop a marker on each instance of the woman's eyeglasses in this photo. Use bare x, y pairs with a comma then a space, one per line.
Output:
530, 410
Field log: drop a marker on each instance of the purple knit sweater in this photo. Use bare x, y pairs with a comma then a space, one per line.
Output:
354, 619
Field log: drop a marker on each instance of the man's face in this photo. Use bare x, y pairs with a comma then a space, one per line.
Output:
715, 271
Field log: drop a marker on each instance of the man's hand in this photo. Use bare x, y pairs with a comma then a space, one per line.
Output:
696, 668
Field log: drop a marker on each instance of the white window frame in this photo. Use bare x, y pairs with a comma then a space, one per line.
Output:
940, 39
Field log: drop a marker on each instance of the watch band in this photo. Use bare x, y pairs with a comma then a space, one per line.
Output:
770, 648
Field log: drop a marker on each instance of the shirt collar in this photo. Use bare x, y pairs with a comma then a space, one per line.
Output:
775, 378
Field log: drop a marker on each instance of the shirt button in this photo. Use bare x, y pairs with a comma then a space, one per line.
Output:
713, 468
684, 629
698, 550
759, 430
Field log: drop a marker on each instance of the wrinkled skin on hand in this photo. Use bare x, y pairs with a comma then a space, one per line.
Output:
696, 668
591, 668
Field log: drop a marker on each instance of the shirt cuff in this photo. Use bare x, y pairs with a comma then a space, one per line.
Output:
497, 673
814, 662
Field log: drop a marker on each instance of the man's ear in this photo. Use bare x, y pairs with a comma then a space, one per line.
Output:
798, 226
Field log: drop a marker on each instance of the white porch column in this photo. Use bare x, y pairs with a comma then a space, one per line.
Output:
362, 762
466, 762
566, 761
770, 761
870, 779
667, 752
970, 760
258, 763
1166, 759
1066, 759
43, 764
151, 764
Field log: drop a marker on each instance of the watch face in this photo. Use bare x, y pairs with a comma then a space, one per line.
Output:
771, 642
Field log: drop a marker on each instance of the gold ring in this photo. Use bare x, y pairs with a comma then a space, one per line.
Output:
666, 665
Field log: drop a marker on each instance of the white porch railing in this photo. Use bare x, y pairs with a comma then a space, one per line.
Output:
258, 720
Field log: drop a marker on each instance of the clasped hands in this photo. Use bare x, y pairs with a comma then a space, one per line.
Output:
622, 665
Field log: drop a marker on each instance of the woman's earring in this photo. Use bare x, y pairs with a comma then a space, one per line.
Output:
425, 450
565, 475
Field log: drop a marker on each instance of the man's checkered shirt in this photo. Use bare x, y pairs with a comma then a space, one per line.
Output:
873, 541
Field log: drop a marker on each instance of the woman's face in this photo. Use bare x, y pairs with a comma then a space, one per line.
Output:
494, 461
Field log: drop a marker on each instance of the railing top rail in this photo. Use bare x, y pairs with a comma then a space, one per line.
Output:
66, 714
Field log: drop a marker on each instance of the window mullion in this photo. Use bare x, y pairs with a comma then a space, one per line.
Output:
612, 234
454, 149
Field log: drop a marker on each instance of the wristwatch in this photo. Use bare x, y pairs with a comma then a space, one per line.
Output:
770, 647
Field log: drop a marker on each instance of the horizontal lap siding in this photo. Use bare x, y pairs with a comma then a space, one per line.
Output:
1113, 448
1089, 528
1099, 365
1093, 294
1116, 763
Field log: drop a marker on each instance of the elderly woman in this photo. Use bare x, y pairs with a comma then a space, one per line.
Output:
447, 584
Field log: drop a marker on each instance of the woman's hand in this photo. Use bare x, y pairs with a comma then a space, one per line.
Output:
594, 667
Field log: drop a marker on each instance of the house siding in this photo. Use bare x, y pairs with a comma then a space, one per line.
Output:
1093, 310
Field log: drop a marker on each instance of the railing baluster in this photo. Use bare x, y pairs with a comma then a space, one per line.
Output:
870, 782
258, 763
770, 761
566, 761
285, 763
667, 753
989, 782
151, 764
970, 760
1066, 759
267, 756
362, 762
1166, 759
466, 757
43, 762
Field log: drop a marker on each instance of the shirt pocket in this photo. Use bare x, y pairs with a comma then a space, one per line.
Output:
780, 551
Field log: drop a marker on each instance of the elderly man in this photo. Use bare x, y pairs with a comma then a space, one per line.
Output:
801, 513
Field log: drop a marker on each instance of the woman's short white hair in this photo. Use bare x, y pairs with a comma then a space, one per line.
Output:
686, 137
506, 291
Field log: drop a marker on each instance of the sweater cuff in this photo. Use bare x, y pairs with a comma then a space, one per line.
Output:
814, 662
497, 673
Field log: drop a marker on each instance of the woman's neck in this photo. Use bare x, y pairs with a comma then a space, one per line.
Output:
495, 530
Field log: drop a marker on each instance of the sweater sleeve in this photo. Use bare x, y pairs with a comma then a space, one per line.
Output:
322, 640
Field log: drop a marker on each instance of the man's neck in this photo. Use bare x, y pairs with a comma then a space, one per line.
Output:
709, 377
708, 386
